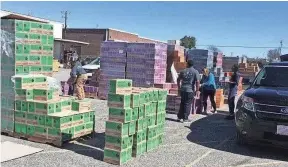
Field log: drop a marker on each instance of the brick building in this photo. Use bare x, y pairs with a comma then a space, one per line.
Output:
95, 36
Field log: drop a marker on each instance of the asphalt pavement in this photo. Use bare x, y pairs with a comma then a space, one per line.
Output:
208, 141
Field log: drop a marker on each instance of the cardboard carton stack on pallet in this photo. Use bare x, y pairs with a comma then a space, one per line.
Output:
175, 54
42, 115
146, 64
136, 121
228, 63
113, 64
27, 48
219, 98
201, 58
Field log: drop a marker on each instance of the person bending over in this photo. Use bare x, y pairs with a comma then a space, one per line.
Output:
79, 74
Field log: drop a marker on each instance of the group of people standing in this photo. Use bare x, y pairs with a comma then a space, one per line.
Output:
190, 85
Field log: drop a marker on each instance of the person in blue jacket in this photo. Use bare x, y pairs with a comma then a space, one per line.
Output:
208, 86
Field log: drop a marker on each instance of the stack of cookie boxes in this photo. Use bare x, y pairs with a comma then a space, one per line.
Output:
26, 48
136, 121
40, 113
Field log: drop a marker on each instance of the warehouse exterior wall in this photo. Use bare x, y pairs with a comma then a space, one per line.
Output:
121, 35
93, 36
96, 36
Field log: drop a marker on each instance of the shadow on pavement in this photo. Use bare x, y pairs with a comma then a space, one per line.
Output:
91, 146
217, 133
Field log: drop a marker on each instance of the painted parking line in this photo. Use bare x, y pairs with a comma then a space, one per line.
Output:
259, 164
208, 152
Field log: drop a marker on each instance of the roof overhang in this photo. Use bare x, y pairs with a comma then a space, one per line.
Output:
12, 15
71, 41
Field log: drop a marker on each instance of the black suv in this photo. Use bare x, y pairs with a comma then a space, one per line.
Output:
261, 113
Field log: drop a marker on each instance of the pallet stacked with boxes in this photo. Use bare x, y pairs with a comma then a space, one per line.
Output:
201, 58
42, 115
229, 62
32, 109
136, 121
175, 54
26, 48
113, 64
146, 63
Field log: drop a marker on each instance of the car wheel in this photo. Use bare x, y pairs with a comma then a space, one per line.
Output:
240, 138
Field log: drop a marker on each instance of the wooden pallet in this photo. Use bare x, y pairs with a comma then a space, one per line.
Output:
57, 143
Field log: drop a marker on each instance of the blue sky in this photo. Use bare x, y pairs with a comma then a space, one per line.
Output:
212, 23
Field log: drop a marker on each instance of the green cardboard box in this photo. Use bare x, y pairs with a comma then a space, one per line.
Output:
135, 113
31, 107
81, 105
119, 100
154, 108
159, 118
47, 60
79, 130
24, 94
34, 60
120, 115
30, 130
147, 109
162, 94
141, 112
143, 146
20, 128
115, 157
132, 127
45, 108
32, 119
161, 107
20, 117
18, 105
117, 128
139, 124
151, 120
41, 132
62, 122
155, 94
116, 143
142, 98
47, 68
129, 153
45, 94
117, 86
24, 82
135, 100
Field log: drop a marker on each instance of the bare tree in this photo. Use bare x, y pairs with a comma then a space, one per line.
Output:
273, 54
213, 48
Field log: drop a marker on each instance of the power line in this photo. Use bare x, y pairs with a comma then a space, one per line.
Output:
255, 47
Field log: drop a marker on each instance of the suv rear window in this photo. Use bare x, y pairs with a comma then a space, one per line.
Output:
272, 77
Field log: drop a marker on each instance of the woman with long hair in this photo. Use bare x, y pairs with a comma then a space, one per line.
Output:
208, 89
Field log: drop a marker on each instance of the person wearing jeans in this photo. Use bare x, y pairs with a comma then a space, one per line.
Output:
186, 85
233, 88
209, 89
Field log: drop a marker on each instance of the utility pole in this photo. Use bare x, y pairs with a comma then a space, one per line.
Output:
65, 16
281, 45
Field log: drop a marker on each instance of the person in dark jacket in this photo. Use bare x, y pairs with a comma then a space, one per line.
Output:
80, 77
186, 85
233, 89
208, 86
